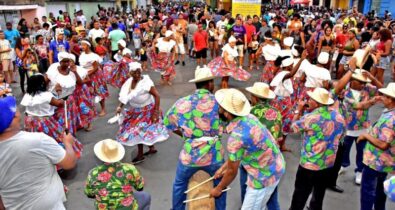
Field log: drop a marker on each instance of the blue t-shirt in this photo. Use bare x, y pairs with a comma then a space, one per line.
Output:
58, 46
11, 36
121, 27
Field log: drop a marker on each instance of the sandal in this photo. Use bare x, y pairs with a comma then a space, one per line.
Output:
150, 152
138, 160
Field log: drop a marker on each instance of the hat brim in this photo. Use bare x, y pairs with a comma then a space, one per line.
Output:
317, 99
271, 94
387, 92
99, 154
361, 79
220, 95
202, 79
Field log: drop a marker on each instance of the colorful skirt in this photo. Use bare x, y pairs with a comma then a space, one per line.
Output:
72, 115
99, 84
52, 128
219, 69
285, 105
137, 127
116, 73
86, 106
268, 72
164, 64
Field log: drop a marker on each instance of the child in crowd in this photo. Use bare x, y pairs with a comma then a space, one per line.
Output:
143, 56
30, 63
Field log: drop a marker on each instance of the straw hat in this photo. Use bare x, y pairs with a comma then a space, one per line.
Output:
233, 101
109, 151
323, 58
389, 90
202, 74
261, 90
321, 95
359, 76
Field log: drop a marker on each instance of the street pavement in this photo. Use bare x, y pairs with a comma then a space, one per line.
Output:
159, 170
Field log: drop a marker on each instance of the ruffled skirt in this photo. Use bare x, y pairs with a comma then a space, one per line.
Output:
99, 84
285, 105
219, 69
72, 115
268, 72
116, 73
86, 106
137, 127
164, 64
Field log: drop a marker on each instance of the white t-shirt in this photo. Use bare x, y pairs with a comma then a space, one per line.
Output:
5, 45
67, 82
139, 96
87, 60
232, 52
164, 46
39, 104
94, 33
29, 179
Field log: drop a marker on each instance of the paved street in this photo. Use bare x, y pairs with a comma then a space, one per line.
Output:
159, 170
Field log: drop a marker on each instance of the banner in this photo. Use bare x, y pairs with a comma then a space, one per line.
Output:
246, 7
305, 2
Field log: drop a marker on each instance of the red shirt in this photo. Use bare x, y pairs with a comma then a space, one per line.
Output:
341, 39
250, 30
200, 39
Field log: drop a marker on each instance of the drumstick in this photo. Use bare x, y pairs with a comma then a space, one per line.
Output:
65, 117
200, 184
203, 197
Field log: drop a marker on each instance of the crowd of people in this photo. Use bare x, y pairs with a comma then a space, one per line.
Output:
321, 70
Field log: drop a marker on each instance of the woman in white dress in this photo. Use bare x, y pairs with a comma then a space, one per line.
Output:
163, 60
142, 117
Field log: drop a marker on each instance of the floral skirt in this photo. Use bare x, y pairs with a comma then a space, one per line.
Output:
52, 128
72, 115
116, 73
99, 84
219, 69
268, 72
164, 64
86, 106
285, 105
137, 127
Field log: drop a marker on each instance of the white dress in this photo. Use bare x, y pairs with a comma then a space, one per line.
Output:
67, 82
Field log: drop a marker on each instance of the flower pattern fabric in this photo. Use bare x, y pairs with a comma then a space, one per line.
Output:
251, 143
270, 117
268, 72
383, 130
116, 73
196, 116
86, 106
322, 130
389, 188
218, 68
112, 186
358, 119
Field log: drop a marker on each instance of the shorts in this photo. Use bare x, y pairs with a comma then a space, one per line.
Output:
240, 50
181, 48
384, 63
211, 39
201, 54
345, 59
7, 65
143, 57
251, 51
13, 55
137, 43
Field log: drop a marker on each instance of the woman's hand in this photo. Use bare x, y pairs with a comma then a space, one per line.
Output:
155, 116
118, 110
58, 88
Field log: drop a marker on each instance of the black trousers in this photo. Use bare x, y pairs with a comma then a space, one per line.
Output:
339, 57
334, 173
22, 77
308, 181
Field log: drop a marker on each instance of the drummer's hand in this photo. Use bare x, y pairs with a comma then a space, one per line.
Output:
68, 138
215, 192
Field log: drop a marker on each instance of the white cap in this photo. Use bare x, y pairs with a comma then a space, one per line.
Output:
232, 39
323, 58
287, 62
288, 41
134, 66
126, 51
63, 55
122, 43
294, 52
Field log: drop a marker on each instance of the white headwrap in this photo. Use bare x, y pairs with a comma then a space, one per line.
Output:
232, 39
122, 43
134, 66
86, 42
126, 51
63, 55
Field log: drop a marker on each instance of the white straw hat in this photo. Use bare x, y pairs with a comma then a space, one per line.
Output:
122, 43
261, 90
288, 41
359, 76
133, 66
389, 90
233, 101
109, 151
202, 74
168, 33
323, 58
321, 96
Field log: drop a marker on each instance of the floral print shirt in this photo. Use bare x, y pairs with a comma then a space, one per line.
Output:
252, 143
383, 130
322, 130
196, 116
389, 188
112, 186
270, 117
358, 119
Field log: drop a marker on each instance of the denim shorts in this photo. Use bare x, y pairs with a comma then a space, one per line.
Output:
345, 59
384, 63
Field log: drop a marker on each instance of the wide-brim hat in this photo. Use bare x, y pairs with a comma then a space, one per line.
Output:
389, 90
202, 74
233, 101
261, 90
357, 75
109, 151
321, 96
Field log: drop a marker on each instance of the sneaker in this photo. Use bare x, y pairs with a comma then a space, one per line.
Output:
183, 63
177, 62
342, 170
358, 178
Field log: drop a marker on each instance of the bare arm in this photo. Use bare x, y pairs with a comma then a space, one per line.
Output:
229, 175
377, 143
57, 102
69, 161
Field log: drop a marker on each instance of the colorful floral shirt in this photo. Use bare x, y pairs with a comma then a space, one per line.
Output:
322, 129
270, 117
196, 116
389, 188
112, 185
358, 119
383, 130
253, 144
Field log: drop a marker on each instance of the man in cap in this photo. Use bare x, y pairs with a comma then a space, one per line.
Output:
251, 145
322, 129
200, 40
195, 118
32, 158
58, 45
115, 178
